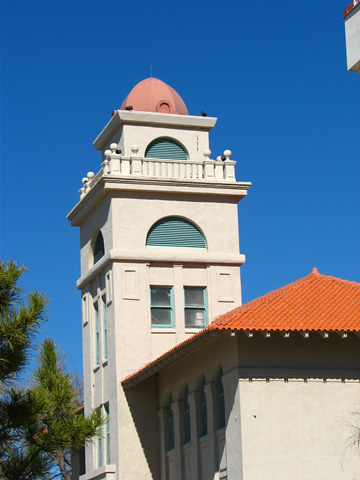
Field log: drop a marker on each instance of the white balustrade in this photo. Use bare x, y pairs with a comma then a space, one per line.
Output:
114, 164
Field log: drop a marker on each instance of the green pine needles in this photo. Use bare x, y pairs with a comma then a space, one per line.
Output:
40, 425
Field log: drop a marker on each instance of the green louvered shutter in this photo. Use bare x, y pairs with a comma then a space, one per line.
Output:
175, 232
99, 250
166, 148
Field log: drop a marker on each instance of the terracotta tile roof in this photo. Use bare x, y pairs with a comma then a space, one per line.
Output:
350, 7
315, 302
312, 303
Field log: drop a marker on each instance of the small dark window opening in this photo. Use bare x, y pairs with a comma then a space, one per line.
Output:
82, 461
220, 399
170, 424
203, 409
99, 250
187, 424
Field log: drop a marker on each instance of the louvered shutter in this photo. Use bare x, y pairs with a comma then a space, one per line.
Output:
99, 250
175, 232
166, 148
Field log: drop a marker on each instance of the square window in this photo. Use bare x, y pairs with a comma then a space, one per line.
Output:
161, 305
195, 307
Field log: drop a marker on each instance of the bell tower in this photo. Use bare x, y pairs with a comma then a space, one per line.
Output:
159, 255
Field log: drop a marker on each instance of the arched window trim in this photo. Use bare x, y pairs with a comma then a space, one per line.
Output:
175, 232
171, 149
203, 408
187, 420
170, 425
220, 399
99, 248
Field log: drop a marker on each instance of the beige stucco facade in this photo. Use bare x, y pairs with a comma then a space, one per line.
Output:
289, 396
289, 406
123, 201
352, 33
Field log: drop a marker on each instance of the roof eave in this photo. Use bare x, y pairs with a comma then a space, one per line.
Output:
169, 358
123, 117
351, 7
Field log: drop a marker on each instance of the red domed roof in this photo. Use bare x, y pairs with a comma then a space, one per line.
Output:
153, 95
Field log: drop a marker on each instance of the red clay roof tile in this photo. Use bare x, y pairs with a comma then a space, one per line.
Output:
351, 7
315, 302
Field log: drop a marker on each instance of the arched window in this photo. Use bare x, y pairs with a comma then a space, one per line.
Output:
170, 425
203, 409
220, 399
99, 250
166, 148
175, 232
187, 423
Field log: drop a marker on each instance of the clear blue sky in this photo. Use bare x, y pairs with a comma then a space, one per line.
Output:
273, 72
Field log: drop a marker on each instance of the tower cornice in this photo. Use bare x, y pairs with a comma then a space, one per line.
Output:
121, 117
168, 256
103, 184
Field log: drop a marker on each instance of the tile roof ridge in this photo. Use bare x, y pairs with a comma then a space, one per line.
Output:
221, 319
313, 276
338, 279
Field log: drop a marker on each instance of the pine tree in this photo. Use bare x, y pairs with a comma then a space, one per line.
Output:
40, 424
62, 426
21, 317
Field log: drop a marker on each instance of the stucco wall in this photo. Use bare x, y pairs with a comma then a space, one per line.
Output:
299, 429
194, 141
289, 407
352, 31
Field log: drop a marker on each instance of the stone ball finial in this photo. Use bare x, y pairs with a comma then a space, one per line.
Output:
207, 153
107, 153
113, 147
84, 180
227, 154
134, 149
90, 175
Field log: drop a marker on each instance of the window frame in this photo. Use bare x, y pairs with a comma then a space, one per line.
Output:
190, 307
163, 307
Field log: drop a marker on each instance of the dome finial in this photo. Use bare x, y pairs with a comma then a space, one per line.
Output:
153, 95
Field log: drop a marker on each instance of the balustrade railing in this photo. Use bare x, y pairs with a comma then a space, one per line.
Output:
220, 170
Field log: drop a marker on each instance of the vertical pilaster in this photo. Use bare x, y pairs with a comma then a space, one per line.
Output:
210, 394
162, 416
178, 437
179, 303
233, 425
195, 424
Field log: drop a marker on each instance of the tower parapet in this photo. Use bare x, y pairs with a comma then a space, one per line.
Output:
116, 165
